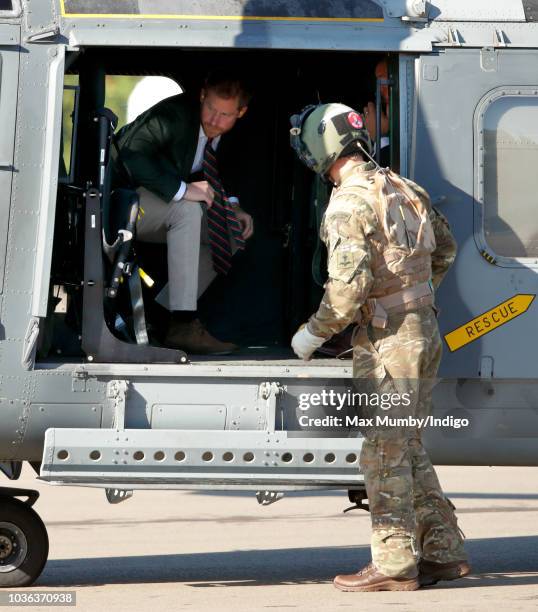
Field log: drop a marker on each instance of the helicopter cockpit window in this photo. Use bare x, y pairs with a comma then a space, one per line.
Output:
509, 137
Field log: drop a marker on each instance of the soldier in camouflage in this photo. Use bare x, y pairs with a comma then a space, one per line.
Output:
388, 250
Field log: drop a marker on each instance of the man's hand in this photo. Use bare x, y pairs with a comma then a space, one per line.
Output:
200, 191
370, 120
246, 221
304, 343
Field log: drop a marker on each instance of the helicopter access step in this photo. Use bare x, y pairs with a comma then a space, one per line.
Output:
148, 458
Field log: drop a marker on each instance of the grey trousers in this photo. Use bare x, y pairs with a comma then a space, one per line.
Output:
183, 227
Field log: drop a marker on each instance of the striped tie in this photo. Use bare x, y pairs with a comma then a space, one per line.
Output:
221, 217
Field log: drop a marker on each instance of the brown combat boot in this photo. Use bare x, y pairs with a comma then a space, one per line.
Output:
193, 338
369, 578
430, 572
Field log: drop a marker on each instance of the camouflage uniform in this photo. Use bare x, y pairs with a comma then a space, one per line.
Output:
410, 515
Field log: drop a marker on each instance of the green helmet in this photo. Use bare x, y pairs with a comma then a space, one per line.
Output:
322, 134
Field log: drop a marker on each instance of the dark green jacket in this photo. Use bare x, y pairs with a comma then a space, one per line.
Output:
159, 146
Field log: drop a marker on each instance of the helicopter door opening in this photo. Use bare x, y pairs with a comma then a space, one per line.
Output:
277, 282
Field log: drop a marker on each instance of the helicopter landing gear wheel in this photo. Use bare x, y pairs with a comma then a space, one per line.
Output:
24, 544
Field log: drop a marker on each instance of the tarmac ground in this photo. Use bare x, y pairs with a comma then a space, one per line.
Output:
190, 550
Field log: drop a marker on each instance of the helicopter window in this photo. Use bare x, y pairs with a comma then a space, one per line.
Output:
129, 96
10, 8
510, 141
69, 121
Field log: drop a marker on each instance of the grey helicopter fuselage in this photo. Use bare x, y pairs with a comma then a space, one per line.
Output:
464, 100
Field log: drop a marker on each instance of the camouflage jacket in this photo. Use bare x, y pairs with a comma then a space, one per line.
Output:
353, 235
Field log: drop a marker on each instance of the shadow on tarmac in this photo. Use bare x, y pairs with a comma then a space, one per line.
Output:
496, 562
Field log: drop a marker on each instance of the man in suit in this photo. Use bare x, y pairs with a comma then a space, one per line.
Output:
171, 154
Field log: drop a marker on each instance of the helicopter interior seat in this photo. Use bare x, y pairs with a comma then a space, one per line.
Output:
120, 209
114, 327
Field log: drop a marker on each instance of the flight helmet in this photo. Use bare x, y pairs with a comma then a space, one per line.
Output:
322, 134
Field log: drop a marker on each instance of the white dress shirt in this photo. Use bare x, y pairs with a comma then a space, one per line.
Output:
198, 162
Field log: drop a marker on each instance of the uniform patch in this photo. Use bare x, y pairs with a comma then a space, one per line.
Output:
344, 260
355, 120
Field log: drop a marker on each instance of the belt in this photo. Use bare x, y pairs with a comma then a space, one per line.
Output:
409, 294
378, 308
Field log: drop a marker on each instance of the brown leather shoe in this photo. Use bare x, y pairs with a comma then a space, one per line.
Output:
194, 339
369, 578
430, 572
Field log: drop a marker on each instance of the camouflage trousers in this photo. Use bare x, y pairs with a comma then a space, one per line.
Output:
411, 518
